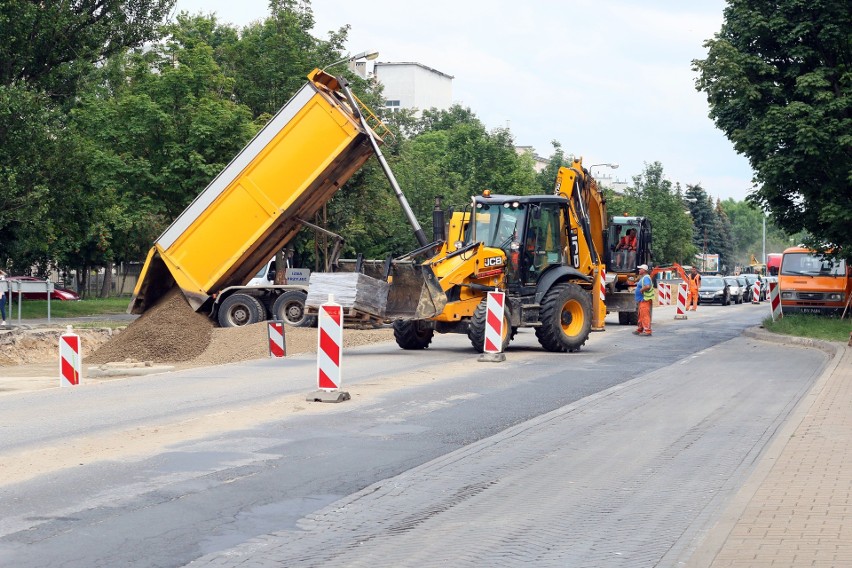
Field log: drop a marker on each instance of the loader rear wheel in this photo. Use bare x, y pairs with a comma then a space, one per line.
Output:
239, 310
476, 332
566, 318
289, 307
628, 318
410, 335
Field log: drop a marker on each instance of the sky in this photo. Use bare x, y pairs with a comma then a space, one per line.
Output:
610, 80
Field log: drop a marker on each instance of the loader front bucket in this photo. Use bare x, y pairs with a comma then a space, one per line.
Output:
414, 293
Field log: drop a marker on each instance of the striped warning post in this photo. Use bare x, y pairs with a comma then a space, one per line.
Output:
494, 307
775, 301
603, 285
329, 346
755, 292
275, 332
681, 302
70, 359
662, 294
668, 294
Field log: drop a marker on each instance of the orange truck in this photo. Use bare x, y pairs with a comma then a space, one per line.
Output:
812, 284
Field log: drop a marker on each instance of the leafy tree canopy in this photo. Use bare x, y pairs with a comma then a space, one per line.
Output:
779, 84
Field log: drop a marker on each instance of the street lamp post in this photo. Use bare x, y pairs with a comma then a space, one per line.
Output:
369, 55
611, 165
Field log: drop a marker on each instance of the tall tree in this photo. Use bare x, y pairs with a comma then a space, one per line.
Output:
50, 45
779, 84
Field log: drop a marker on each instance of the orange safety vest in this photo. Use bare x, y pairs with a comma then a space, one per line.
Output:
694, 281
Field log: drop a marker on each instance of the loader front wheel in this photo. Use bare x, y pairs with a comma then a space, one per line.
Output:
476, 332
410, 335
239, 310
289, 307
566, 318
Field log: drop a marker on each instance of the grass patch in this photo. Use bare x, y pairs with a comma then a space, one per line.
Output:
34, 309
813, 326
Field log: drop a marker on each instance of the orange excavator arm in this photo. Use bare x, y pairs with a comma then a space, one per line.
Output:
673, 266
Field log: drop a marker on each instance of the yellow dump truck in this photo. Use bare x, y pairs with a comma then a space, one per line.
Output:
258, 203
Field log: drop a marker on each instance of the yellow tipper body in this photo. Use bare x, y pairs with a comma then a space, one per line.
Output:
293, 166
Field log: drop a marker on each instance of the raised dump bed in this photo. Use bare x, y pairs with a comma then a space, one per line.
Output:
293, 166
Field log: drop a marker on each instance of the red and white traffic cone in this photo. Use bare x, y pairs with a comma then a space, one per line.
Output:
681, 302
775, 301
70, 359
329, 354
277, 344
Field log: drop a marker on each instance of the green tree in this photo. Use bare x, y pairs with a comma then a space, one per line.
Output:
778, 80
50, 45
654, 197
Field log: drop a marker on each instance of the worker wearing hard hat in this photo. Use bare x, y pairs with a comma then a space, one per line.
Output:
694, 282
644, 297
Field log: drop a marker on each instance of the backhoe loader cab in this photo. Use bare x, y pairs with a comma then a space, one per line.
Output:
628, 245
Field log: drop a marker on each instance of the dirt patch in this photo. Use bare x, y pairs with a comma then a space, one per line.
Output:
170, 333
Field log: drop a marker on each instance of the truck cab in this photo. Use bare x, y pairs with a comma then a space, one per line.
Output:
810, 283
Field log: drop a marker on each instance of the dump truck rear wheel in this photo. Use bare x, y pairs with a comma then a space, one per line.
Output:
239, 310
628, 318
410, 335
289, 307
476, 332
566, 318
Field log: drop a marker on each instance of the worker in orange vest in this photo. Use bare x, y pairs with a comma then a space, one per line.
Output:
694, 281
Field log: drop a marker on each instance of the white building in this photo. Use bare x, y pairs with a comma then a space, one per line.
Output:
414, 86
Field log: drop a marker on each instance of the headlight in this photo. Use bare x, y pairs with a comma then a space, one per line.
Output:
458, 244
719, 293
787, 295
835, 297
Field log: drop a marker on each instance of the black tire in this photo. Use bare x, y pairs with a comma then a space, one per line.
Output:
239, 310
476, 332
410, 335
289, 307
566, 318
628, 318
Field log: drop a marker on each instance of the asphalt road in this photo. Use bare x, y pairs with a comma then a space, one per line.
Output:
620, 455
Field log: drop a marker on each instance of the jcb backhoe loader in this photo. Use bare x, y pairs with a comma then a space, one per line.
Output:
538, 249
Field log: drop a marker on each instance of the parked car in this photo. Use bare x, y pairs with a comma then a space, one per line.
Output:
766, 282
750, 280
59, 293
737, 290
714, 289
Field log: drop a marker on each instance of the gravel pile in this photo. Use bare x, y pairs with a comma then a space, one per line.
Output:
171, 332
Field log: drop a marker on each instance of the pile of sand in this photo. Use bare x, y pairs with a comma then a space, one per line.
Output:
169, 332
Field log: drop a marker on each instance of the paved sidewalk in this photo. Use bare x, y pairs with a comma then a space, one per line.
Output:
796, 510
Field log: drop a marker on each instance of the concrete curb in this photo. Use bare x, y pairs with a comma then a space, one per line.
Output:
716, 537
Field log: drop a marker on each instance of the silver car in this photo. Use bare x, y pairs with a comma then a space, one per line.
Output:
736, 287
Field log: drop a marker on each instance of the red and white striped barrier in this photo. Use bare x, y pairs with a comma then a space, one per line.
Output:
329, 354
603, 285
663, 294
755, 292
681, 302
775, 301
329, 346
494, 309
70, 359
275, 332
668, 294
